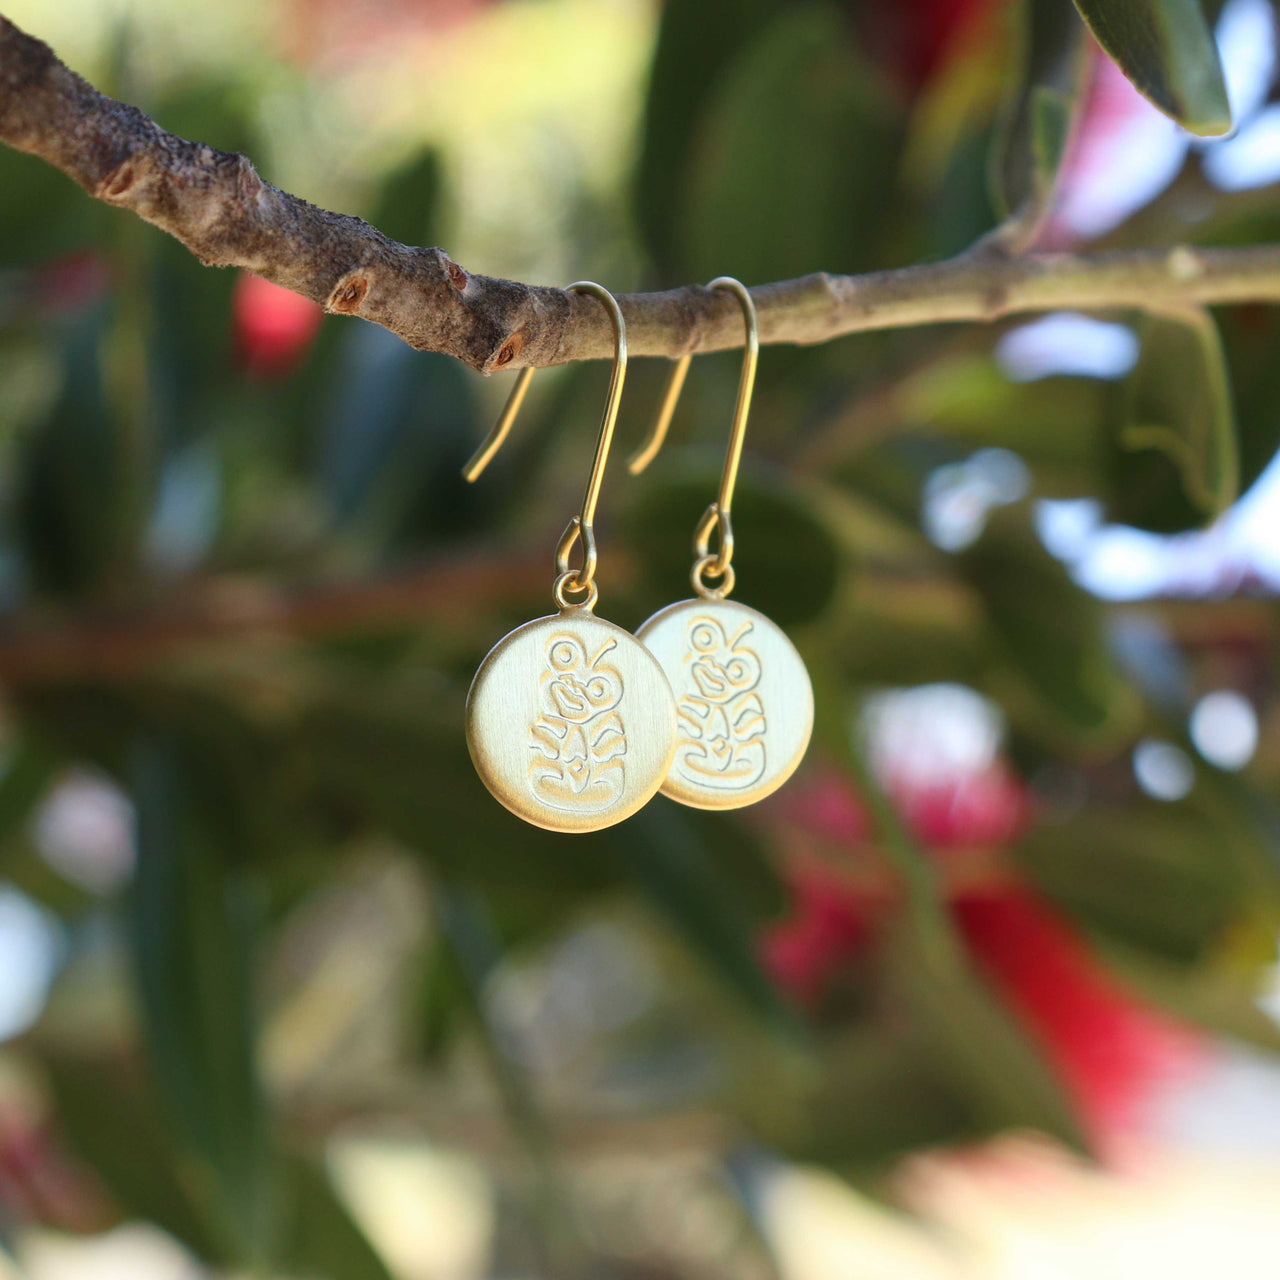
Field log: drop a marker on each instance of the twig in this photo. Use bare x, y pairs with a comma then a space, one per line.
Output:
86, 646
94, 646
215, 203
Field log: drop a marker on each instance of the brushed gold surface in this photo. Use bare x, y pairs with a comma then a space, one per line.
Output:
571, 722
744, 700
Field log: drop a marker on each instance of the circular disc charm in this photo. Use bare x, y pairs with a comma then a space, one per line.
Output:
571, 723
744, 699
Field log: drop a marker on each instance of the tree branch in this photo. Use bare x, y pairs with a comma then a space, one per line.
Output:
95, 646
215, 203
89, 645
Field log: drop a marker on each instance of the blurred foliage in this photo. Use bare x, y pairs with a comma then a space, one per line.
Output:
157, 472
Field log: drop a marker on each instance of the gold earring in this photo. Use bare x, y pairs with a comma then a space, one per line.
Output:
571, 722
745, 700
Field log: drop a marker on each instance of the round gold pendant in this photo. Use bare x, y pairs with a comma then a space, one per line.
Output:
571, 722
744, 699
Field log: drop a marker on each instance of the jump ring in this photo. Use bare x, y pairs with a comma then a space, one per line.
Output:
567, 582
701, 567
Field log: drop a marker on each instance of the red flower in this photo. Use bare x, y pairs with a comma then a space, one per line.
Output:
336, 32
40, 1182
273, 327
71, 281
990, 806
1108, 1047
827, 928
986, 806
1122, 154
824, 803
916, 37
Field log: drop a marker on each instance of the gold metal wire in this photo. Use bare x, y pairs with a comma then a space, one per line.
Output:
581, 526
717, 517
670, 398
501, 429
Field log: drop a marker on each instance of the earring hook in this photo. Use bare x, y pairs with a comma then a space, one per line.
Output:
501, 429
646, 453
581, 525
718, 513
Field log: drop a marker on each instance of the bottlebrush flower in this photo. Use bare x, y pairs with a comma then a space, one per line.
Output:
828, 926
917, 37
1108, 1047
273, 327
41, 1182
990, 806
1124, 153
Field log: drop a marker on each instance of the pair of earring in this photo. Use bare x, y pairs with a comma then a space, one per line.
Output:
574, 724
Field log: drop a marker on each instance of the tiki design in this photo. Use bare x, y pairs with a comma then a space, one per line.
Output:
578, 741
721, 723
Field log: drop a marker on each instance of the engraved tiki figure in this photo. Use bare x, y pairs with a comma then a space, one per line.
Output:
578, 741
721, 721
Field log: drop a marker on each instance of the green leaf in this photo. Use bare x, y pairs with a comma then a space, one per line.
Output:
408, 202
1207, 995
320, 1238
69, 471
787, 562
386, 750
1047, 630
1176, 462
882, 1088
44, 214
1031, 136
440, 1002
979, 1055
27, 775
397, 426
1167, 51
956, 403
996, 1070
467, 927
1006, 1080
1150, 876
786, 173
1050, 127
208, 108
120, 1129
697, 40
664, 857
192, 936
31, 374
739, 856
1250, 338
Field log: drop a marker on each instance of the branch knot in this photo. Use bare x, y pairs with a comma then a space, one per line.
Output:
348, 294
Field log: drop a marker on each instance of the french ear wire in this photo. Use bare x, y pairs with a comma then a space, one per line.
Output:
718, 516
744, 697
570, 582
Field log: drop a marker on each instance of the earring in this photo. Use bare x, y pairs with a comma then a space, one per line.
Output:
745, 701
570, 720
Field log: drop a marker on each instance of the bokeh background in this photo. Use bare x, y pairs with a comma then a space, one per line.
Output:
988, 990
